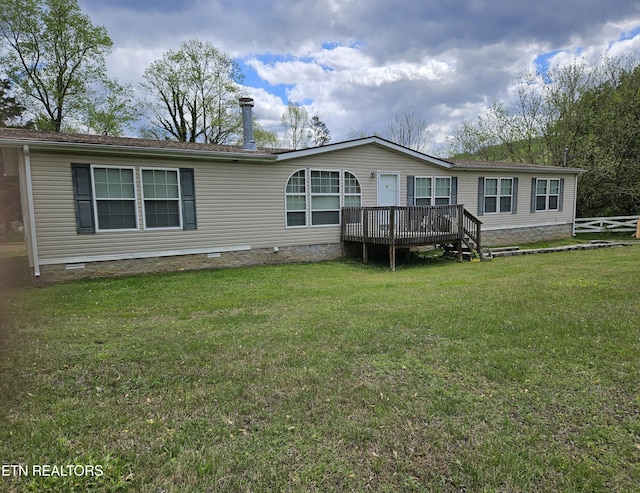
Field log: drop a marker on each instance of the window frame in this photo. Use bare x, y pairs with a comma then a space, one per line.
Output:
303, 194
97, 199
308, 193
432, 187
144, 199
548, 195
498, 196
429, 187
345, 194
313, 195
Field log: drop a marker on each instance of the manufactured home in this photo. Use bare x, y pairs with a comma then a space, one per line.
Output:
105, 206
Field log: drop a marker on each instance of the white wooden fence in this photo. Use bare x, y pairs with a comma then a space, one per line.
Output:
606, 224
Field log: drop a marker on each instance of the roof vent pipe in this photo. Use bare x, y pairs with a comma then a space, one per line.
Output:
248, 142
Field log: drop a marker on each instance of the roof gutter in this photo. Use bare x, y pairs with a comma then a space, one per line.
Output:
524, 169
155, 152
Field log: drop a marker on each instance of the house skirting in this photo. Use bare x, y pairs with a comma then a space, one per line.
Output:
177, 263
262, 256
532, 234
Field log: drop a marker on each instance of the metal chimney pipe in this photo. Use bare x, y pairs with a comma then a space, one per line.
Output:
249, 142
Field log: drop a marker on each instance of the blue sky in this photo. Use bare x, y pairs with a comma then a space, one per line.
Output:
354, 63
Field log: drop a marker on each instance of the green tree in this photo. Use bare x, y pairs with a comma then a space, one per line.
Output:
506, 131
11, 111
318, 132
607, 144
194, 95
590, 115
295, 121
112, 109
53, 53
263, 137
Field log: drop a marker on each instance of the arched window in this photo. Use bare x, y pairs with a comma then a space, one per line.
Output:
352, 192
314, 197
296, 197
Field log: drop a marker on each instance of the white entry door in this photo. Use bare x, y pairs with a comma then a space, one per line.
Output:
388, 189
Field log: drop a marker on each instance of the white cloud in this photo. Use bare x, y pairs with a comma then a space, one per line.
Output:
449, 59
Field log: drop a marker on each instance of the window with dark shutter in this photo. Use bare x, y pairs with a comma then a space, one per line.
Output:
82, 194
547, 194
188, 194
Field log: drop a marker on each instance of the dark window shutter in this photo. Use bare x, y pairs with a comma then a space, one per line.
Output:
454, 190
188, 191
481, 196
533, 195
561, 197
411, 190
514, 197
82, 194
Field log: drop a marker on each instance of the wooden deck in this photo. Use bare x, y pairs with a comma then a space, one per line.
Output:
404, 227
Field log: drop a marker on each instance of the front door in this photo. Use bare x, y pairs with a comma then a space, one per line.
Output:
388, 189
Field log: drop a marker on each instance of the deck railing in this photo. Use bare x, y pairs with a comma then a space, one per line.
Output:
472, 229
401, 227
405, 225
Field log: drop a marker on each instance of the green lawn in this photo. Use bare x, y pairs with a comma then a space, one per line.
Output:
517, 375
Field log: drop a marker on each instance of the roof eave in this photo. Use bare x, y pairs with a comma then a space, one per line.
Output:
365, 141
158, 152
530, 169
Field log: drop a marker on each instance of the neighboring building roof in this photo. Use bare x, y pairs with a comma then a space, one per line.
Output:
13, 137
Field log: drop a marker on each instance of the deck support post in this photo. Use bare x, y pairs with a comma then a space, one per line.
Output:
365, 253
459, 250
392, 257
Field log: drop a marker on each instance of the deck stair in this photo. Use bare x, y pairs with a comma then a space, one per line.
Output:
469, 252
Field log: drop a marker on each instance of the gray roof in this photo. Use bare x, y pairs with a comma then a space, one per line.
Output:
108, 144
497, 165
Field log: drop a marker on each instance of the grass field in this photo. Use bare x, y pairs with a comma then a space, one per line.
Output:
517, 375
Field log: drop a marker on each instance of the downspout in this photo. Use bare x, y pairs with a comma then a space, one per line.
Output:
575, 203
33, 243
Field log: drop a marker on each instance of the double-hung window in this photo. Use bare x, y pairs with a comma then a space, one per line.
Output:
106, 198
114, 190
548, 194
442, 191
430, 190
161, 198
423, 190
498, 195
325, 197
